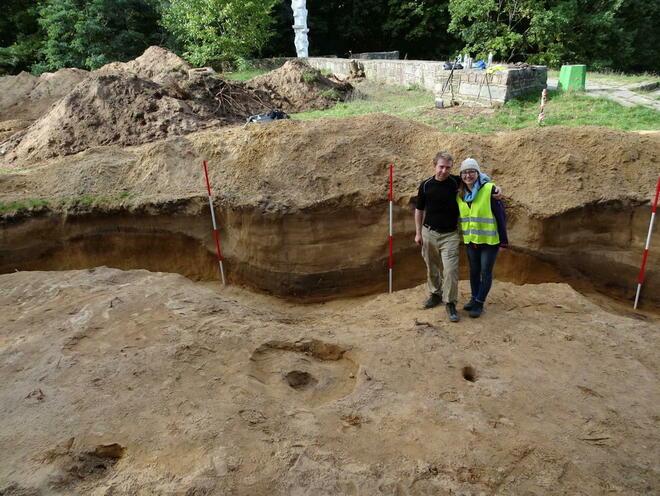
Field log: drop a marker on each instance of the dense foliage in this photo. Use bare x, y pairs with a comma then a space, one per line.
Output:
89, 34
50, 34
20, 37
214, 31
617, 34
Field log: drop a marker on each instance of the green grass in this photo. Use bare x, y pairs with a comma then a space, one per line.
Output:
84, 201
615, 78
331, 94
374, 97
567, 109
19, 205
311, 76
243, 75
562, 109
12, 170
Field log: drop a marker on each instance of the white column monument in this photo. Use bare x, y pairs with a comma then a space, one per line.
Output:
300, 27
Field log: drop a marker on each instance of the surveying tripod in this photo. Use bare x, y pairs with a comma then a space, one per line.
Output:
449, 83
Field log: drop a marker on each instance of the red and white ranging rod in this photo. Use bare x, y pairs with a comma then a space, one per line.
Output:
390, 197
640, 277
216, 233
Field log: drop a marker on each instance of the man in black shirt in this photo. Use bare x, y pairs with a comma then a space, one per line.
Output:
436, 231
436, 224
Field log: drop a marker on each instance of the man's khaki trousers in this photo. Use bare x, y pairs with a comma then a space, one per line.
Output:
440, 252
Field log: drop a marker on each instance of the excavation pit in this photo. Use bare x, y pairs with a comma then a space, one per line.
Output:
469, 373
319, 371
228, 390
300, 380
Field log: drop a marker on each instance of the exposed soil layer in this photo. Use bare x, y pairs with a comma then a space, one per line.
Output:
297, 86
285, 256
302, 206
144, 383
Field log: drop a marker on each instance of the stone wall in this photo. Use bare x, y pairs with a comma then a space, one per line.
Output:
394, 55
477, 87
471, 86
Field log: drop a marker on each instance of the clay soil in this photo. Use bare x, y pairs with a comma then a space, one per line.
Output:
136, 382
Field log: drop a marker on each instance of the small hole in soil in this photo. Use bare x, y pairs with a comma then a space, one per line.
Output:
298, 379
469, 374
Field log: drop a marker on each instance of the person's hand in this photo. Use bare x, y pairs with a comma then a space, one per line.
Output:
418, 239
497, 193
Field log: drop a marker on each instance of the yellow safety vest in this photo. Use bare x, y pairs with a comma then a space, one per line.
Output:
478, 224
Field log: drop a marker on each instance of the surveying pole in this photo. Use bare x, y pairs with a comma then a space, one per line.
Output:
642, 269
216, 233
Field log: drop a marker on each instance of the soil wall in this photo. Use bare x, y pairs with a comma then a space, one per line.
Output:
324, 252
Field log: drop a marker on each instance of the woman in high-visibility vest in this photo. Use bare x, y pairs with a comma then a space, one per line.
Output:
482, 222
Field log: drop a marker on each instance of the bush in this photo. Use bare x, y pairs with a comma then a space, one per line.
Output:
311, 76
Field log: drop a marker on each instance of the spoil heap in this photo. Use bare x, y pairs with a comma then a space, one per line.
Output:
297, 86
128, 110
152, 97
156, 63
27, 97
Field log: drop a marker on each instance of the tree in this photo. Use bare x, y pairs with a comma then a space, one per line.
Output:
281, 42
639, 20
498, 26
20, 36
91, 33
215, 31
419, 28
579, 31
617, 34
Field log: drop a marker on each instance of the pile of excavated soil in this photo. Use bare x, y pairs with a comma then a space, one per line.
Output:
297, 86
156, 63
289, 165
146, 383
27, 97
11, 127
128, 110
150, 98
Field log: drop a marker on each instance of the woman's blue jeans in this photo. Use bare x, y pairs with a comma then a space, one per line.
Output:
482, 260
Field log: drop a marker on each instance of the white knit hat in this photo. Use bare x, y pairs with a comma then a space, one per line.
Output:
469, 164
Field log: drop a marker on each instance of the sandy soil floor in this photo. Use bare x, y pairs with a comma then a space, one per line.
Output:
132, 382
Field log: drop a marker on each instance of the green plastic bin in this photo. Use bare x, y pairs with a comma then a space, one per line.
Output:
572, 77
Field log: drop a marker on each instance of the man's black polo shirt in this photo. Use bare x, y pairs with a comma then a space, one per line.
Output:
438, 200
